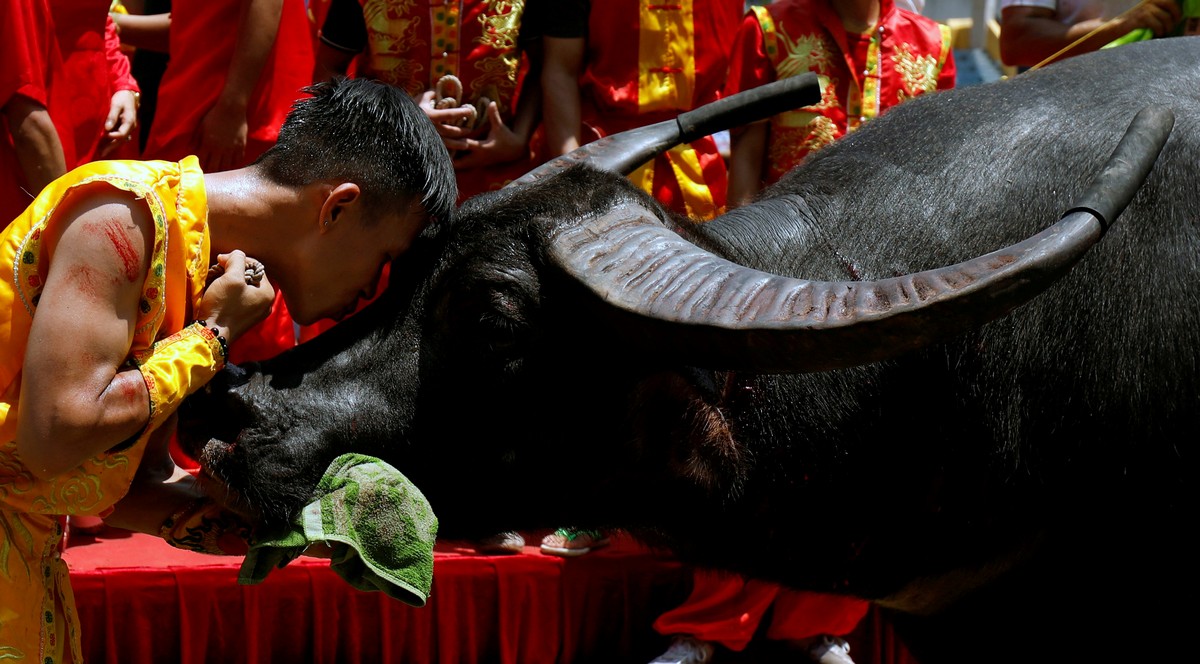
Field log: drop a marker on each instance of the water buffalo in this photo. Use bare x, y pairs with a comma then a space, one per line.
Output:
566, 352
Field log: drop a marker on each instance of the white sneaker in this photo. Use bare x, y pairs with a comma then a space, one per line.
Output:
686, 650
831, 650
503, 543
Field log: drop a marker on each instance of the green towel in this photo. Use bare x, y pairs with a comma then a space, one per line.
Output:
379, 525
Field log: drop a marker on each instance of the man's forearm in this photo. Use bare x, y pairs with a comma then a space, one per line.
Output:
563, 62
747, 147
36, 141
151, 32
256, 36
561, 111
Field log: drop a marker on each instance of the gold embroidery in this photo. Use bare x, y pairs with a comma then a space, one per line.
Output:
918, 73
829, 98
75, 493
392, 32
496, 74
399, 72
397, 7
14, 530
805, 53
501, 24
14, 477
822, 131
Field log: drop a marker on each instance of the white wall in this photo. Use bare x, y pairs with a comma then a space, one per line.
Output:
940, 10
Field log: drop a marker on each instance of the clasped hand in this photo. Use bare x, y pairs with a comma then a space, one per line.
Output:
232, 302
493, 142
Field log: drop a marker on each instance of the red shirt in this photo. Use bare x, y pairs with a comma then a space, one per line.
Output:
648, 62
616, 64
95, 68
33, 69
862, 75
203, 40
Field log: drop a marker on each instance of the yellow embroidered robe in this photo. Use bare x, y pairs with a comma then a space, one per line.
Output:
37, 618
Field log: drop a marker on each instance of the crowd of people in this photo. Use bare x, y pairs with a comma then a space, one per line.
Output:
167, 165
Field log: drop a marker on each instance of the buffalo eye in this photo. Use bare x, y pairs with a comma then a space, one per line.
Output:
503, 326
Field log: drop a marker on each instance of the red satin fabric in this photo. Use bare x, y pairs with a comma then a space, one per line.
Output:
142, 602
728, 610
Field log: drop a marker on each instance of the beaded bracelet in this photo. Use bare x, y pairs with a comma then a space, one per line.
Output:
216, 333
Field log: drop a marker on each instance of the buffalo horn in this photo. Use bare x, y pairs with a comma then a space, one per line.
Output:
624, 152
687, 303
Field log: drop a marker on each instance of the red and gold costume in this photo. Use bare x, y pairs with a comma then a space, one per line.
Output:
95, 70
37, 617
33, 69
203, 43
679, 63
411, 44
905, 55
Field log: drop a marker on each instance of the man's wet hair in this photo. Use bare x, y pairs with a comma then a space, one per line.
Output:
368, 133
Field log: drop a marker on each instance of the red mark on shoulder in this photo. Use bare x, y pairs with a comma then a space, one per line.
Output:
119, 238
83, 278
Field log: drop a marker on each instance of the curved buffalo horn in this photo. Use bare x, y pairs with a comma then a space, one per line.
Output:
624, 152
689, 303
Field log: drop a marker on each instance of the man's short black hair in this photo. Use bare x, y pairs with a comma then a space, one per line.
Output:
368, 133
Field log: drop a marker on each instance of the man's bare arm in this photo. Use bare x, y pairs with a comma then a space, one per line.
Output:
562, 114
36, 141
151, 32
747, 147
77, 398
1030, 35
224, 129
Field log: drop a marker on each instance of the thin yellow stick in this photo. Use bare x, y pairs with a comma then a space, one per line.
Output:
1087, 36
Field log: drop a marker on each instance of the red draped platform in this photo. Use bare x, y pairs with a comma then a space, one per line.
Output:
143, 602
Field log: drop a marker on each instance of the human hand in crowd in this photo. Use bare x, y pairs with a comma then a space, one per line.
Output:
447, 121
1159, 16
234, 301
121, 121
501, 145
223, 138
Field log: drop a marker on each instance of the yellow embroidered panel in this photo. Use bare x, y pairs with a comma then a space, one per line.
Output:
697, 197
868, 105
666, 55
445, 36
